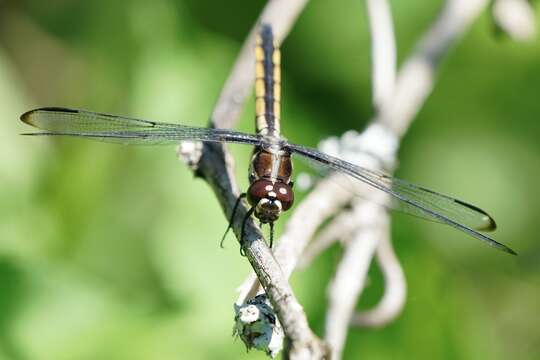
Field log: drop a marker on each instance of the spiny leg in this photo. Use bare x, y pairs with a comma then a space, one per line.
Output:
240, 197
246, 217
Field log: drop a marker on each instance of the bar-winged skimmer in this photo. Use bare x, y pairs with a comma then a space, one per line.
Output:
270, 191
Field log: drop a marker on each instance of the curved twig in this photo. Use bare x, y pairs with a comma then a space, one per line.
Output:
395, 290
414, 83
350, 277
373, 221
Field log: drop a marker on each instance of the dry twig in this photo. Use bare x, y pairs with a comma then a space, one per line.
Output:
351, 274
414, 83
215, 165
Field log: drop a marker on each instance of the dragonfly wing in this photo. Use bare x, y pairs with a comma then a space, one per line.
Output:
414, 199
455, 209
119, 129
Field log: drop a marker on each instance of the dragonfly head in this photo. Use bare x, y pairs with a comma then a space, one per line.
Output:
270, 199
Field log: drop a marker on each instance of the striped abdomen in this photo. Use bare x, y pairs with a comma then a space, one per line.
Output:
267, 82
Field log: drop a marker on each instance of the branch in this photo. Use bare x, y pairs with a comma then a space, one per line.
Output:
416, 77
215, 171
395, 290
341, 228
214, 164
413, 85
516, 18
373, 221
350, 278
383, 51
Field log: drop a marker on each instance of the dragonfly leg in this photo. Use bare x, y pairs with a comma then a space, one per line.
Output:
243, 195
246, 217
271, 233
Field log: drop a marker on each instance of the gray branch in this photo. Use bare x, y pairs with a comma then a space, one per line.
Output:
395, 289
214, 164
372, 221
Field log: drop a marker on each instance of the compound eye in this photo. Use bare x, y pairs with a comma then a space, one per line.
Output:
285, 195
259, 190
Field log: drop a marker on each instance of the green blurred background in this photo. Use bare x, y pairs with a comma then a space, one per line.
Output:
111, 252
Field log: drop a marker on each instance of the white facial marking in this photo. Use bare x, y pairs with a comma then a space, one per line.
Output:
260, 205
283, 191
272, 194
269, 188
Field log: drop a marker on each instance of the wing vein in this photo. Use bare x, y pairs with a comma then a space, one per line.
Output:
404, 192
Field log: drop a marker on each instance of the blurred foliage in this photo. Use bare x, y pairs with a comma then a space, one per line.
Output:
111, 252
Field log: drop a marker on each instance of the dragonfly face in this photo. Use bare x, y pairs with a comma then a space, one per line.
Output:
270, 192
263, 197
270, 199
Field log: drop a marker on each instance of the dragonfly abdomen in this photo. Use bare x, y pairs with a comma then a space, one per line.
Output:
267, 83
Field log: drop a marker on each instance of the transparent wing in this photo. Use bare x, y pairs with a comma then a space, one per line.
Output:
414, 199
455, 209
462, 212
118, 129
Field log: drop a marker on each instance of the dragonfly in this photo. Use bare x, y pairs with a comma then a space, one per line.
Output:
270, 192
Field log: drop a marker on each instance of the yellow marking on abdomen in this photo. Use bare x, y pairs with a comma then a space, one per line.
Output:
267, 84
